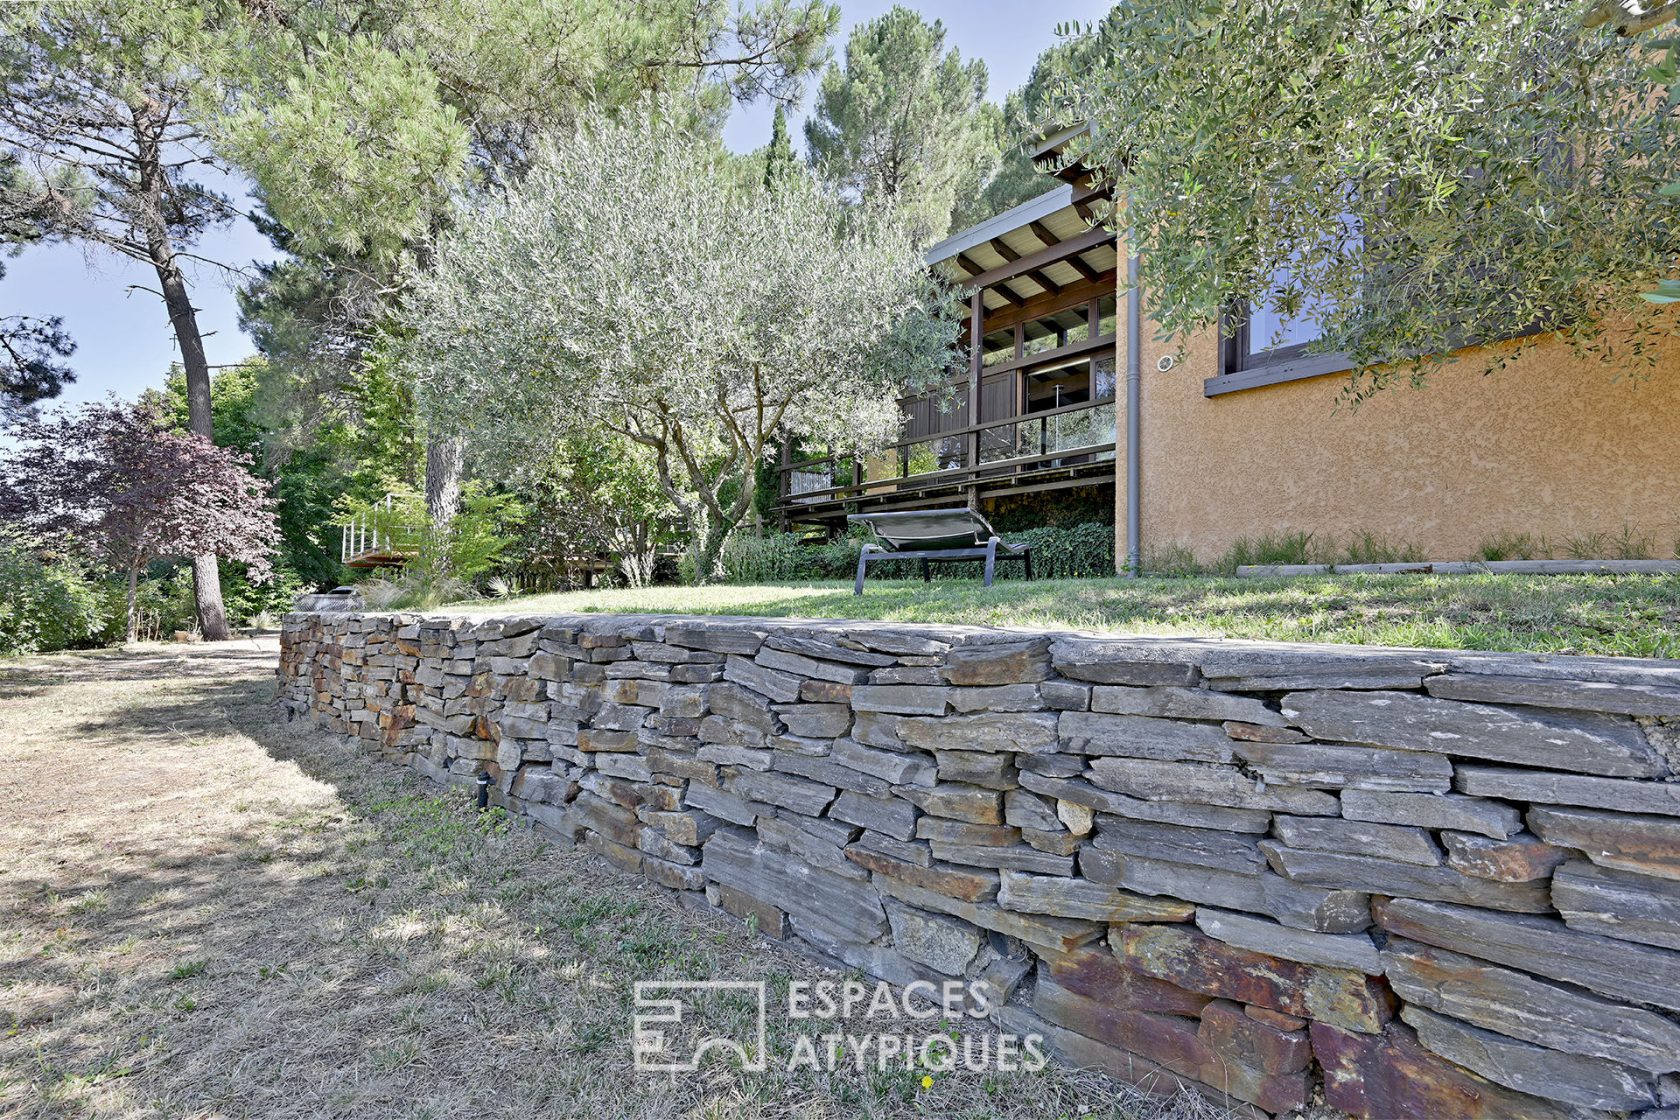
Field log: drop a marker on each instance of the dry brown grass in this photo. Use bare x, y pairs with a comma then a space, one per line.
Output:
205, 911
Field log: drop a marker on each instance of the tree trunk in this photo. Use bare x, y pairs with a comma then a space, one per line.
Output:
444, 458
133, 595
183, 318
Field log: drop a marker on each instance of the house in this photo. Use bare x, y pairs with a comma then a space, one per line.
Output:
1233, 439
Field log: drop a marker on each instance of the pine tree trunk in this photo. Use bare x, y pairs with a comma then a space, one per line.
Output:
183, 318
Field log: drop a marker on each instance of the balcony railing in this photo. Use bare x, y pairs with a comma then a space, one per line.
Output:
1014, 450
378, 538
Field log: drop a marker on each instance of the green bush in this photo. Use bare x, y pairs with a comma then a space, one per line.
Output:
46, 605
163, 603
1081, 551
1074, 551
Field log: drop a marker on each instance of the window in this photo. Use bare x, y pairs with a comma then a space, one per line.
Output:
1268, 346
997, 347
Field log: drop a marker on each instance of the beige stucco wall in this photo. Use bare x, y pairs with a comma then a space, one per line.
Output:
1551, 446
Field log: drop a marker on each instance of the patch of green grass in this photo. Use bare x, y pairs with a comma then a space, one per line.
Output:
1513, 546
1625, 615
188, 969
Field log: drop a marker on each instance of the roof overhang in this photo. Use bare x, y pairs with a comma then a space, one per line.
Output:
1032, 210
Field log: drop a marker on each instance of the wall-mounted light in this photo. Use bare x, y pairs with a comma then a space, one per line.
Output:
1165, 362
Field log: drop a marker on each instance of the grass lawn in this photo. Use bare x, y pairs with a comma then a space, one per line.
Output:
207, 911
1630, 616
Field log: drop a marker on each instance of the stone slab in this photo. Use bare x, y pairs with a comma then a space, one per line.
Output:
1571, 1078
1519, 1005
1620, 904
943, 943
1191, 959
1096, 972
895, 767
1521, 859
1356, 951
901, 699
1647, 844
1294, 904
1018, 732
1253, 1043
1203, 847
1018, 858
1390, 1075
738, 860
967, 884
890, 815
1581, 742
1541, 692
1618, 969
1061, 934
1404, 843
1132, 736
1172, 1043
1337, 766
956, 801
1388, 877
1152, 780
1449, 810
1123, 662
1169, 702
998, 663
1079, 898
1568, 789
1172, 812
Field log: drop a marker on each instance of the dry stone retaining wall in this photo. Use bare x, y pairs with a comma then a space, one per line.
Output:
1416, 883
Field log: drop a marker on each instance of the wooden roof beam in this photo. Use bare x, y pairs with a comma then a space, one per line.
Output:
1078, 243
1037, 276
1077, 263
1009, 294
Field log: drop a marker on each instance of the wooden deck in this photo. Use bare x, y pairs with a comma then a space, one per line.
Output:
1036, 408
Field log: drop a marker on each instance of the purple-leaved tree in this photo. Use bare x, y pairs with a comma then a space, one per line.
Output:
110, 477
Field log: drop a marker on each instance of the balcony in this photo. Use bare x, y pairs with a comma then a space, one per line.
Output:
1073, 445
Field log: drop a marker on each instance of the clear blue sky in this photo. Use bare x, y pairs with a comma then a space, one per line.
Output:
123, 340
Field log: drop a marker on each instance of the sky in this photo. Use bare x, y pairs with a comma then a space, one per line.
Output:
123, 340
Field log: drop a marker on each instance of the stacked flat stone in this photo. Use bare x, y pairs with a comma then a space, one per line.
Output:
1406, 883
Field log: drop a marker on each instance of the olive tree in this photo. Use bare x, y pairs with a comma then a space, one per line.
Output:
633, 284
1418, 176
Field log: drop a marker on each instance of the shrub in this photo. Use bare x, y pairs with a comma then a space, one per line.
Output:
1078, 551
44, 605
771, 558
1075, 551
163, 603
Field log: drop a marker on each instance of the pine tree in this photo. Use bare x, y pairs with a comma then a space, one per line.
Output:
905, 122
779, 160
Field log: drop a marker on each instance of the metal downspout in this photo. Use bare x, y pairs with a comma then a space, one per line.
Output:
1134, 425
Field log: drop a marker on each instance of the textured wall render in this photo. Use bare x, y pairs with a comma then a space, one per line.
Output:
1423, 883
1555, 446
